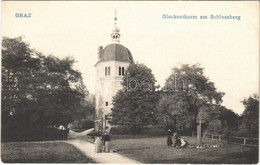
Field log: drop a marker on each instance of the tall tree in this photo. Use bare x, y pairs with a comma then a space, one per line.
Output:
221, 120
249, 123
187, 95
37, 91
86, 114
135, 105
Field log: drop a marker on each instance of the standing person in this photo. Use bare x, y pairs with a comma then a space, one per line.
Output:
107, 142
98, 142
62, 132
169, 138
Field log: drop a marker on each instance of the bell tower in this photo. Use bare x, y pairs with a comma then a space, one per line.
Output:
111, 66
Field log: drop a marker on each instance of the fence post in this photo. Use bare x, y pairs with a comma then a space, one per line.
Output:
219, 137
244, 141
212, 137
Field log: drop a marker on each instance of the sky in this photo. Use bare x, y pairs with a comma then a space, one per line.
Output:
228, 49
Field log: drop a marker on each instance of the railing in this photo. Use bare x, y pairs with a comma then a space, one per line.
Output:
232, 139
243, 141
212, 137
209, 136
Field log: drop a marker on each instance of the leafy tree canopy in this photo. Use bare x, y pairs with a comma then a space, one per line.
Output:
38, 90
135, 104
187, 95
249, 123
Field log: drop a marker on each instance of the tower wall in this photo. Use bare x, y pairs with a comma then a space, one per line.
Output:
108, 78
107, 87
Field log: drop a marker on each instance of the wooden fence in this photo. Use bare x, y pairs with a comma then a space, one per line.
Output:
209, 136
213, 137
243, 141
232, 139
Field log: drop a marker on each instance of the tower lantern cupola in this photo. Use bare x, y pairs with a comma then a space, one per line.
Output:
115, 35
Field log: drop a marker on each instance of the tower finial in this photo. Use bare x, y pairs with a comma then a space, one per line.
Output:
115, 18
115, 36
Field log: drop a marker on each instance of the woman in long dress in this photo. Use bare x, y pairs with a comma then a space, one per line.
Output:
98, 143
169, 138
107, 142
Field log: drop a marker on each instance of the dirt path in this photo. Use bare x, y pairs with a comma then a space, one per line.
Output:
73, 134
89, 150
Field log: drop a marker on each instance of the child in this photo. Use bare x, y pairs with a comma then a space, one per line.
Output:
183, 143
179, 142
176, 140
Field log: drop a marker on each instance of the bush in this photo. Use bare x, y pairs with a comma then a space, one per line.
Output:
120, 130
214, 127
185, 132
153, 131
226, 133
81, 124
33, 134
147, 130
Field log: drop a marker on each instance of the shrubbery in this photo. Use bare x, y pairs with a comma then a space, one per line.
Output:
33, 134
148, 130
120, 130
82, 124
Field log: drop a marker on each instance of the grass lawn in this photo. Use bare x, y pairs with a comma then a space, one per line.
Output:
154, 150
47, 152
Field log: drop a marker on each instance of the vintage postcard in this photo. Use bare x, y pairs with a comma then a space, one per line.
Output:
130, 82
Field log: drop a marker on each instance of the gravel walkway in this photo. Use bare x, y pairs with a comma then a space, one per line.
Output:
89, 150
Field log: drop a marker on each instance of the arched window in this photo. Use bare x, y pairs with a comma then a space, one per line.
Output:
120, 71
105, 71
108, 72
123, 71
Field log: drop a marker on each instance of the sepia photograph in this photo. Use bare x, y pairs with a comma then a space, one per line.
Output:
130, 82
